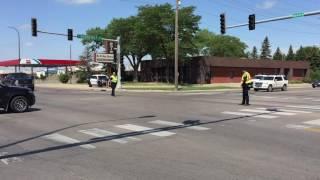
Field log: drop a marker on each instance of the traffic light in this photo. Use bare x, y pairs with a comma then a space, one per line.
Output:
70, 34
222, 24
252, 22
34, 27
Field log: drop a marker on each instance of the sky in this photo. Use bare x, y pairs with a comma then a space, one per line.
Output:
80, 15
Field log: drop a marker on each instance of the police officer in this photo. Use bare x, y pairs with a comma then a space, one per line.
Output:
114, 81
245, 83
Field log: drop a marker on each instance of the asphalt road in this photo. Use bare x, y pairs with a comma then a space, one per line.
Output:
142, 136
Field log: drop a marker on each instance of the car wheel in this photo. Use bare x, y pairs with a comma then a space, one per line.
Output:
19, 104
99, 84
313, 86
284, 88
270, 89
256, 89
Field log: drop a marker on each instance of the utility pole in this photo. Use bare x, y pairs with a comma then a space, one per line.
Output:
70, 57
19, 45
119, 63
176, 51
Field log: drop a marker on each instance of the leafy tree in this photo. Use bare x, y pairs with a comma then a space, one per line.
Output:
134, 45
210, 44
277, 55
265, 49
94, 44
254, 53
290, 55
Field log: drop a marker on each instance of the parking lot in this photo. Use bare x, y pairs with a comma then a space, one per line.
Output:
72, 134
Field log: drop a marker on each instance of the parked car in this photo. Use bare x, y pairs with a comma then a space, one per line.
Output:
16, 99
316, 84
270, 82
99, 80
19, 79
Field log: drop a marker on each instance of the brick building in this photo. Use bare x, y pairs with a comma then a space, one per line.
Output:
220, 70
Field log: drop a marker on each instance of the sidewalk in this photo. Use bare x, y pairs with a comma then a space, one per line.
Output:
131, 88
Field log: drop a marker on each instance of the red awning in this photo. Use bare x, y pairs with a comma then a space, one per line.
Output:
40, 62
14, 62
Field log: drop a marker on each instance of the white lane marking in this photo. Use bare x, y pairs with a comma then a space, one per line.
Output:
101, 133
313, 122
168, 123
286, 110
136, 128
266, 116
237, 113
305, 107
295, 126
271, 112
249, 114
66, 140
307, 98
316, 100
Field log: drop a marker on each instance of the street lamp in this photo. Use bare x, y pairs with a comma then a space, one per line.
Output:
19, 45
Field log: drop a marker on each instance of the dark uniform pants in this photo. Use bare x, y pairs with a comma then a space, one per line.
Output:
245, 94
113, 86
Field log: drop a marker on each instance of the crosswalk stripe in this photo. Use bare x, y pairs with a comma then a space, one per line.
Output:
266, 111
168, 123
305, 107
66, 140
136, 128
316, 100
296, 126
287, 110
249, 114
313, 122
307, 98
102, 133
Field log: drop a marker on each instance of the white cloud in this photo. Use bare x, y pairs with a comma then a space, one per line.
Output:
267, 4
24, 26
28, 44
78, 2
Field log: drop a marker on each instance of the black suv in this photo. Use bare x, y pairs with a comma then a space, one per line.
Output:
19, 79
16, 99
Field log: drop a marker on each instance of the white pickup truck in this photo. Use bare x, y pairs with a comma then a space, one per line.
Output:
270, 82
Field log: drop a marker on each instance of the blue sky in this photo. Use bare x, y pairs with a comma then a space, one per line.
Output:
58, 15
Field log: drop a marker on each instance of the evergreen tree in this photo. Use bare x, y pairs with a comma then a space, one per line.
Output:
290, 55
277, 55
300, 55
254, 53
265, 49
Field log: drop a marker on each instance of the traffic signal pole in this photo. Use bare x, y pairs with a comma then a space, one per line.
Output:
295, 15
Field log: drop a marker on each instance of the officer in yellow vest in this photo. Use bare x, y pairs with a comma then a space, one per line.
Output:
245, 83
114, 81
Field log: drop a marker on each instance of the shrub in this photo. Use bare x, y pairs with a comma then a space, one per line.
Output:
82, 76
64, 78
42, 77
315, 75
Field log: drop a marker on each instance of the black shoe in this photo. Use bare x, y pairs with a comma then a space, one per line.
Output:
242, 104
247, 104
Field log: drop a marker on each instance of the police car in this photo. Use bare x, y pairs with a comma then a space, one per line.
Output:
98, 80
270, 82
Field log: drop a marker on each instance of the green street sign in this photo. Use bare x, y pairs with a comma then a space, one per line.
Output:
89, 38
295, 15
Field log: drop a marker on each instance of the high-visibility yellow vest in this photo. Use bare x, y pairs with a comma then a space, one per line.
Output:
114, 79
246, 76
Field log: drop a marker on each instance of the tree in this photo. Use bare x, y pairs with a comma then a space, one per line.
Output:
265, 49
134, 45
290, 55
209, 44
86, 58
254, 53
300, 54
94, 44
277, 55
158, 24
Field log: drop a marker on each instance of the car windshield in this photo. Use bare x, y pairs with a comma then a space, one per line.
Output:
102, 78
264, 77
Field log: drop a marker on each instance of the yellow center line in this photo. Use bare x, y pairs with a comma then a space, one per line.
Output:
313, 129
